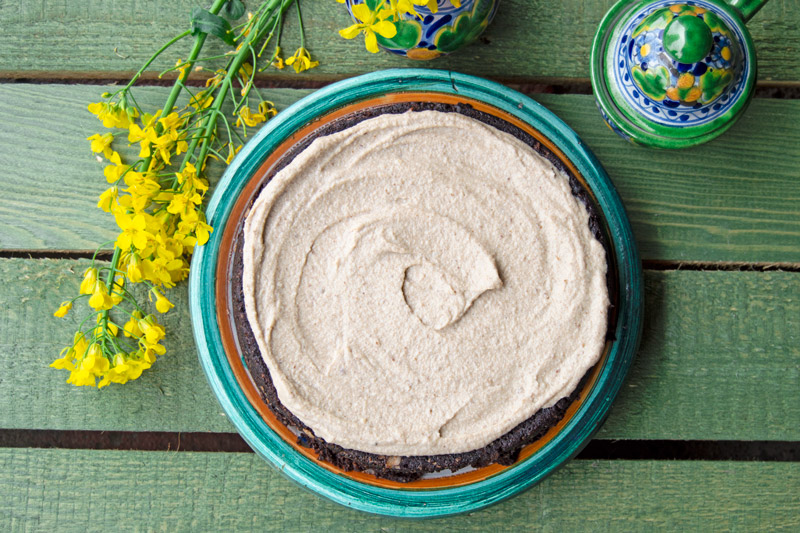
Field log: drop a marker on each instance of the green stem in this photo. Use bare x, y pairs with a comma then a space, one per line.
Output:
154, 56
302, 32
178, 86
110, 284
226, 84
198, 45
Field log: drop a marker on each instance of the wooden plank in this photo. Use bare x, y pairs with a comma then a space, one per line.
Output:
734, 199
719, 360
190, 491
45, 164
529, 39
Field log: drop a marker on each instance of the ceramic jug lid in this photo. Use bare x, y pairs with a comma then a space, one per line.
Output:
672, 73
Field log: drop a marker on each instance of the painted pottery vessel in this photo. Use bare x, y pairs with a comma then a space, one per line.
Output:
211, 286
434, 34
674, 73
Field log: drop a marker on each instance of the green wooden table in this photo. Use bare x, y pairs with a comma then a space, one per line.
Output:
704, 435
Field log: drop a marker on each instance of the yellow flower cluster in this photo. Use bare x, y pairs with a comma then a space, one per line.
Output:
157, 199
99, 353
92, 356
158, 213
373, 18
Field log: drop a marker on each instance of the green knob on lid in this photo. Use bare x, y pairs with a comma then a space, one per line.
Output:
688, 39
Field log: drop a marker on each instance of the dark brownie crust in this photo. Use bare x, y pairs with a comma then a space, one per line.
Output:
505, 449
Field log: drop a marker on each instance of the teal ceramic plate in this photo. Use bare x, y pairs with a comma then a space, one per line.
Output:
209, 299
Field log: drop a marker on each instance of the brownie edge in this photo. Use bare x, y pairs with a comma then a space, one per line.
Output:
504, 450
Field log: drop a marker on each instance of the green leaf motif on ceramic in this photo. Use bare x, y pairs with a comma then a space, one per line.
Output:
714, 82
464, 29
652, 82
408, 36
658, 19
715, 23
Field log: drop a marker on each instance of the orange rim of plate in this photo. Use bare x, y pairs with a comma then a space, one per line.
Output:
224, 315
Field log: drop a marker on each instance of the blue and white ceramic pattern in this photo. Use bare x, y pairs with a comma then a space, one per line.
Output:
691, 94
434, 34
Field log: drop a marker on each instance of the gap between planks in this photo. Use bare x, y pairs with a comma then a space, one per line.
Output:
788, 90
599, 449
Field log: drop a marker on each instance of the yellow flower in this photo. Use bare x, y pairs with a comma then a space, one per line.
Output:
159, 270
216, 79
182, 67
112, 115
371, 22
246, 71
131, 327
100, 299
402, 7
201, 100
168, 247
301, 60
249, 118
145, 137
116, 169
63, 310
433, 5
108, 199
164, 143
110, 327
232, 152
81, 378
89, 279
93, 365
172, 121
134, 268
133, 231
101, 143
142, 189
79, 344
189, 176
67, 361
125, 368
152, 331
117, 289
95, 362
182, 203
137, 199
194, 222
278, 61
162, 304
267, 109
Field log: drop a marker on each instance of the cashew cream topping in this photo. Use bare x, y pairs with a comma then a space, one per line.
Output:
421, 283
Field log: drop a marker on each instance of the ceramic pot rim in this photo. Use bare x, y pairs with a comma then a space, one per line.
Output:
442, 501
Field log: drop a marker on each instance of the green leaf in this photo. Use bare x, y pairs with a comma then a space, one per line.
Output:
233, 9
408, 35
373, 5
653, 82
204, 21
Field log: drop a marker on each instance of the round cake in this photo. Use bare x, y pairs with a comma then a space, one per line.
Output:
422, 291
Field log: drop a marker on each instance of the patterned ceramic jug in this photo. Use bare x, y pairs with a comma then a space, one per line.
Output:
674, 73
429, 35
